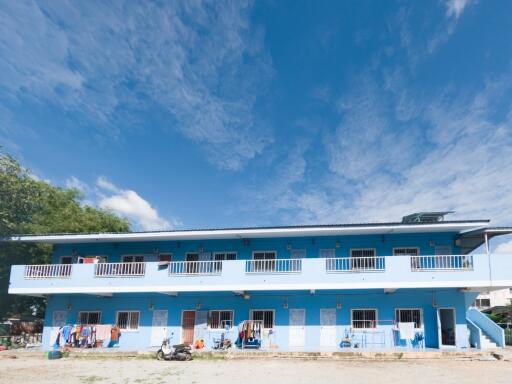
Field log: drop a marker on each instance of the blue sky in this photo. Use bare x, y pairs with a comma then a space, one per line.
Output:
207, 114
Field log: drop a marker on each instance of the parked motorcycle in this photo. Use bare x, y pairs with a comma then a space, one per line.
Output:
181, 352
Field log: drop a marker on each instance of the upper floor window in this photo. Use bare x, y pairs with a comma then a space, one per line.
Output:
264, 255
165, 257
327, 253
133, 259
483, 303
218, 256
128, 320
221, 319
66, 259
298, 253
409, 316
89, 317
406, 251
362, 252
364, 318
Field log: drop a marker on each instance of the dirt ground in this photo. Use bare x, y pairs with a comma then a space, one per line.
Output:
110, 371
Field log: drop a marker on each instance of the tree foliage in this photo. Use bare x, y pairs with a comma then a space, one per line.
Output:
29, 205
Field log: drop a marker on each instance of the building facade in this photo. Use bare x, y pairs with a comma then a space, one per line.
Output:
391, 285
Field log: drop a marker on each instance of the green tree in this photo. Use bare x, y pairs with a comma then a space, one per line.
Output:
28, 205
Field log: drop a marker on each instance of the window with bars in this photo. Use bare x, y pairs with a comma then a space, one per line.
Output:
406, 251
86, 317
363, 258
327, 253
221, 319
128, 320
264, 255
219, 256
409, 316
265, 316
298, 253
133, 259
364, 318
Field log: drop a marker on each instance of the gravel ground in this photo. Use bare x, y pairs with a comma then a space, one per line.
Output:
136, 371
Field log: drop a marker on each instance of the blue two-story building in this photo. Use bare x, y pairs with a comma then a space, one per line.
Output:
316, 287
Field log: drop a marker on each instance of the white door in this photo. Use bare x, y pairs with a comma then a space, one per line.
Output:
158, 327
328, 327
201, 325
58, 320
297, 324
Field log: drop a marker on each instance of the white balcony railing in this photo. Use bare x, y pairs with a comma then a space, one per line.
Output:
137, 269
195, 267
48, 271
442, 263
356, 264
274, 266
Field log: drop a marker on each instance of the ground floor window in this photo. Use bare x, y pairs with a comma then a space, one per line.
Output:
88, 317
265, 316
133, 259
128, 320
409, 316
364, 318
221, 319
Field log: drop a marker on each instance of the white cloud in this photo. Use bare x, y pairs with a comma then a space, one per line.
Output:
200, 64
75, 183
131, 205
455, 154
504, 248
454, 8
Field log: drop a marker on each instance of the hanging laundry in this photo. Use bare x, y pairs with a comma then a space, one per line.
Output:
103, 331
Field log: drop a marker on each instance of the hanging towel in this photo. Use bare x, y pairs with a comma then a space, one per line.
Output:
406, 331
103, 331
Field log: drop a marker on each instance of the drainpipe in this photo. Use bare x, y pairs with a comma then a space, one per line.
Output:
488, 257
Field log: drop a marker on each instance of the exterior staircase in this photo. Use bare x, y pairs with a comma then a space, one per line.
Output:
486, 342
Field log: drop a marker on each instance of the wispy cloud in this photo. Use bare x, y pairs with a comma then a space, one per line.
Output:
454, 8
456, 154
504, 248
124, 202
201, 65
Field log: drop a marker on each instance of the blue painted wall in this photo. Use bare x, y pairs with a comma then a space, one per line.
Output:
384, 303
383, 244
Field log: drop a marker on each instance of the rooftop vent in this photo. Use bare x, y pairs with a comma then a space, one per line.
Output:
425, 217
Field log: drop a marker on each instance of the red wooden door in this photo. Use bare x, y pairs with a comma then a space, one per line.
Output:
187, 327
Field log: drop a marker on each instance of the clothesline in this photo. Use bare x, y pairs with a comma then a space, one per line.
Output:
87, 335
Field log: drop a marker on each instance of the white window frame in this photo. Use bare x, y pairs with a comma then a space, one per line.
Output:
298, 250
251, 312
333, 250
232, 320
267, 251
79, 316
407, 248
134, 256
412, 309
374, 250
129, 318
225, 253
363, 309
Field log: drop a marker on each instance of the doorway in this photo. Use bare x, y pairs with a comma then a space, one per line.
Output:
446, 325
188, 321
328, 327
297, 318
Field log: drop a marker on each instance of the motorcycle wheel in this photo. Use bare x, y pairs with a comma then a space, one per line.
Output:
160, 355
188, 357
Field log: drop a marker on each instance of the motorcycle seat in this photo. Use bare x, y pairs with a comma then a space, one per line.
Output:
184, 346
